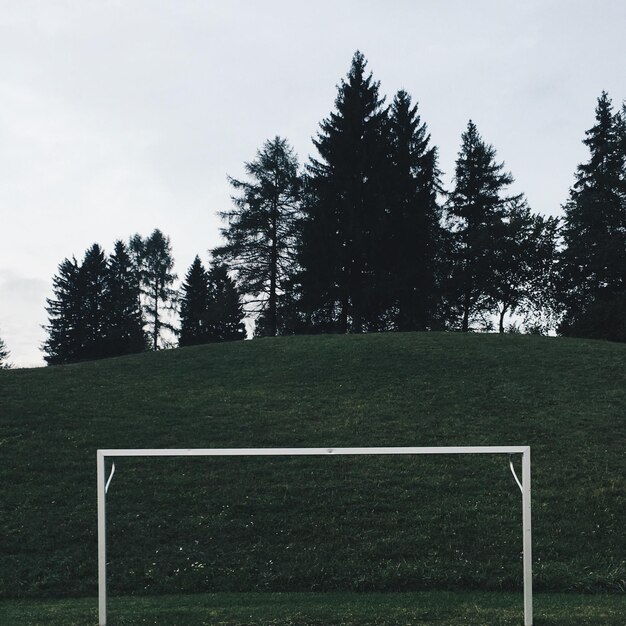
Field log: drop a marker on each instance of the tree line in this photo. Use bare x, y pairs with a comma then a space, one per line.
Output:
365, 238
125, 303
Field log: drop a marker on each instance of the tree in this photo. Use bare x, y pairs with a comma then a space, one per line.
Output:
415, 235
262, 229
4, 355
194, 306
93, 278
476, 212
124, 327
523, 276
342, 278
78, 316
225, 312
154, 264
593, 259
65, 327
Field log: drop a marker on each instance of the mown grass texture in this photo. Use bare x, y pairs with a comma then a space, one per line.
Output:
318, 524
324, 609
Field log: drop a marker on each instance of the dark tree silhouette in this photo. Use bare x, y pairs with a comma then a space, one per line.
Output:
65, 327
342, 282
194, 306
476, 212
262, 229
92, 276
78, 316
154, 265
594, 234
225, 314
415, 235
4, 355
524, 272
124, 318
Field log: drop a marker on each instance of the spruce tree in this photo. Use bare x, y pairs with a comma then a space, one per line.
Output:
124, 323
4, 355
476, 211
225, 310
65, 328
194, 306
92, 276
594, 234
342, 278
262, 229
153, 262
415, 236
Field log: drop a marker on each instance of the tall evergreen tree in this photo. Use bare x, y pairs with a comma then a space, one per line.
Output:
65, 328
594, 234
194, 306
262, 228
92, 276
124, 323
342, 279
225, 313
154, 266
4, 355
415, 236
476, 210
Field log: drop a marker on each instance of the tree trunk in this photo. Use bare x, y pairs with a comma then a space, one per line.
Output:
502, 314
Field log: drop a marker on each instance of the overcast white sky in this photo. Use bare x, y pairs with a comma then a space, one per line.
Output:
119, 117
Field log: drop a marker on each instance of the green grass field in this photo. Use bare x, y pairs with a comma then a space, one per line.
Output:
438, 608
187, 526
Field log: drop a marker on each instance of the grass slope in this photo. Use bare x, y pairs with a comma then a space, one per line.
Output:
350, 524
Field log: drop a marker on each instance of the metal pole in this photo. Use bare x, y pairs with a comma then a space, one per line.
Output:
526, 524
102, 558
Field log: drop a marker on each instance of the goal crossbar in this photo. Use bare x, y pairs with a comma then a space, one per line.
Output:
102, 486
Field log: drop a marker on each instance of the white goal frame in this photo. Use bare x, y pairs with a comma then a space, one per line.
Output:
524, 486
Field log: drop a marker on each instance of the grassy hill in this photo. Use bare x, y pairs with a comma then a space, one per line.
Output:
188, 525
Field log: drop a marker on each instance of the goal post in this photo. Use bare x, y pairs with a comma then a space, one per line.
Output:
103, 484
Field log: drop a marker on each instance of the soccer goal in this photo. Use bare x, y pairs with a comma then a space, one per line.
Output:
524, 485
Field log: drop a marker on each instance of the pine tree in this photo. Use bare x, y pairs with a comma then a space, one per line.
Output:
476, 215
194, 306
124, 324
415, 235
225, 311
262, 229
594, 234
4, 355
65, 328
153, 261
92, 276
342, 282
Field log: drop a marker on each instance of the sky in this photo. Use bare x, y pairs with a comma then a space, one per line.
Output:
119, 117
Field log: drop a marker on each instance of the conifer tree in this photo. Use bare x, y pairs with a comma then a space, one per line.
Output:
225, 311
262, 229
65, 328
92, 276
476, 212
194, 306
154, 265
342, 280
4, 355
594, 234
124, 323
415, 236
